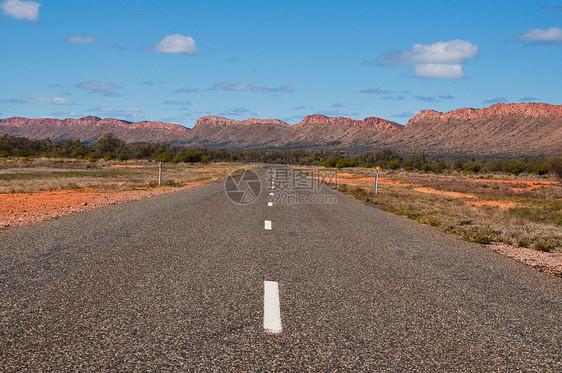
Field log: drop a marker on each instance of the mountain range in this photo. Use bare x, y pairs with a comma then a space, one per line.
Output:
525, 129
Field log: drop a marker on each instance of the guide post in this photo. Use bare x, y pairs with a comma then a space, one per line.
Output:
377, 179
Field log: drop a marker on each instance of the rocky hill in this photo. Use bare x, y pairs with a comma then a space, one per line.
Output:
499, 130
89, 129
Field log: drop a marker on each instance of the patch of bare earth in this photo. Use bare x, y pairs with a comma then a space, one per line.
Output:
545, 261
26, 208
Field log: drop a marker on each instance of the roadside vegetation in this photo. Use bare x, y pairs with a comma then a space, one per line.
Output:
18, 175
498, 207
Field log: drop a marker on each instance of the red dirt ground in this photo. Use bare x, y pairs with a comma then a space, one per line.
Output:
25, 208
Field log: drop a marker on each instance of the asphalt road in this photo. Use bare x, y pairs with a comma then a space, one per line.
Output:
176, 282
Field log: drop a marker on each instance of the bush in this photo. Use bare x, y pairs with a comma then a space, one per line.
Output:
164, 157
124, 156
539, 168
514, 167
109, 157
473, 167
394, 164
544, 244
330, 162
478, 235
346, 163
555, 165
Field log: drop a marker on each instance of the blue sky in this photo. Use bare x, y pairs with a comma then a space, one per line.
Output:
274, 59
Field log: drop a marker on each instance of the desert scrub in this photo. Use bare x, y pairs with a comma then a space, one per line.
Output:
531, 217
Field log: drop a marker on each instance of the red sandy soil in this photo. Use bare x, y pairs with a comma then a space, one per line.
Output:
531, 184
502, 204
27, 208
445, 193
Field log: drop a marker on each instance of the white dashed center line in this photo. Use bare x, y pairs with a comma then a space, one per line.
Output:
270, 204
271, 309
267, 225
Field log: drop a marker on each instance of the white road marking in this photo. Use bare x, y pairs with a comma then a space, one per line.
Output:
270, 204
271, 193
271, 309
268, 225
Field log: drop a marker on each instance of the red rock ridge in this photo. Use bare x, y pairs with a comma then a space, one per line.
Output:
90, 121
367, 122
315, 119
213, 120
528, 109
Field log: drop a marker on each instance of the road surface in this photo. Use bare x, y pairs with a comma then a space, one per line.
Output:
179, 282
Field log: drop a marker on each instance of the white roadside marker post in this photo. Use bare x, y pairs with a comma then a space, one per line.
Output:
160, 174
377, 179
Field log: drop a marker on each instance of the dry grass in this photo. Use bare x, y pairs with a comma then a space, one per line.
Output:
519, 211
38, 175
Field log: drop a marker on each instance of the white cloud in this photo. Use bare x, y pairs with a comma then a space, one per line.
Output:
28, 10
235, 112
495, 100
44, 100
176, 102
176, 43
61, 101
129, 112
438, 60
105, 88
97, 86
442, 52
104, 109
552, 35
241, 86
75, 39
433, 70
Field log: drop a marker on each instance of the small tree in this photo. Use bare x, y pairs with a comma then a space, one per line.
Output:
555, 165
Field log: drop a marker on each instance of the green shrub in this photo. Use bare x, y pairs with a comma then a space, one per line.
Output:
109, 157
164, 157
124, 156
346, 163
330, 162
539, 168
555, 165
478, 235
393, 164
514, 167
473, 167
544, 244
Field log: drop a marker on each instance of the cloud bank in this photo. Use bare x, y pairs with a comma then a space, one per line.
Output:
26, 10
442, 59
